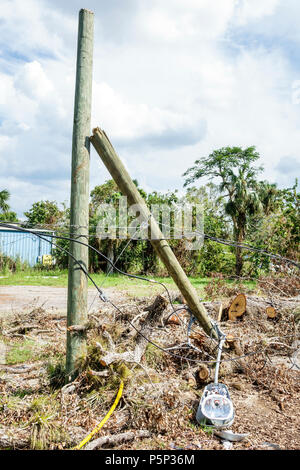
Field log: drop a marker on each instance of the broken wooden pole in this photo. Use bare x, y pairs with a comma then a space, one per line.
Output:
122, 178
79, 207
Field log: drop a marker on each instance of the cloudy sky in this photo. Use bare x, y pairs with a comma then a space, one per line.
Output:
173, 80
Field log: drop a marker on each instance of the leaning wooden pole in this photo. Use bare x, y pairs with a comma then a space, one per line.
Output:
117, 170
79, 208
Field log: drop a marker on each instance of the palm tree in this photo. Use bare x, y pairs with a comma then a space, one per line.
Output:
243, 203
5, 213
239, 186
4, 196
269, 196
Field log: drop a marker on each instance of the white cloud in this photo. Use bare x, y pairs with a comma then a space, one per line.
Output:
171, 83
177, 20
129, 121
252, 10
33, 82
259, 111
31, 28
274, 21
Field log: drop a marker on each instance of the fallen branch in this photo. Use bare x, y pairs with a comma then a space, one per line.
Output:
109, 339
40, 332
239, 352
102, 373
220, 313
20, 369
20, 329
259, 304
90, 325
8, 439
69, 388
117, 439
60, 328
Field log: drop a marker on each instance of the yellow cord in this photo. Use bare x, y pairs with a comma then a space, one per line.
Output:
99, 426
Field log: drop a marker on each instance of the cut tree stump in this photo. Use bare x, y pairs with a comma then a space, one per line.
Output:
237, 307
230, 340
271, 312
173, 320
203, 373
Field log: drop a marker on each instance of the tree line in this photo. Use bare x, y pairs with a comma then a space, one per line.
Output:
238, 206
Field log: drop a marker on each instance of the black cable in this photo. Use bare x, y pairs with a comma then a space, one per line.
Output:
99, 290
61, 249
231, 243
243, 246
251, 248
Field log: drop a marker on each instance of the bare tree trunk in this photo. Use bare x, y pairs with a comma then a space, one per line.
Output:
110, 255
150, 259
239, 252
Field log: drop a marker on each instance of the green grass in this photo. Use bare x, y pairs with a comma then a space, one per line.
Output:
59, 278
134, 287
21, 352
35, 277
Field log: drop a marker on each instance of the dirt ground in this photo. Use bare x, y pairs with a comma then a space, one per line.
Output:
161, 392
53, 299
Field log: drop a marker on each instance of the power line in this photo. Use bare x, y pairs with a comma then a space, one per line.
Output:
231, 243
134, 276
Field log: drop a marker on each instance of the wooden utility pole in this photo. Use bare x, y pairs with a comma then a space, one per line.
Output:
117, 170
79, 209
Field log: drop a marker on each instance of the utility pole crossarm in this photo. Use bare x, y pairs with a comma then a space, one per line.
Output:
122, 178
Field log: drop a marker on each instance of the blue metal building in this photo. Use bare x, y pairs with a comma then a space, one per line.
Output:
26, 246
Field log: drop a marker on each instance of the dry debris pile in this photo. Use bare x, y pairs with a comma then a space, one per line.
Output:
164, 378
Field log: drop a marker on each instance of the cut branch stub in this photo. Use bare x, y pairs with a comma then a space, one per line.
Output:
198, 338
173, 320
271, 312
158, 306
220, 313
203, 373
230, 339
237, 307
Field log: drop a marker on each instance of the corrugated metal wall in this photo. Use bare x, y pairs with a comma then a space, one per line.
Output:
24, 245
